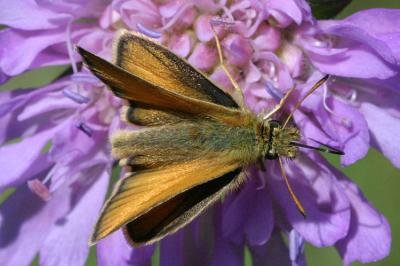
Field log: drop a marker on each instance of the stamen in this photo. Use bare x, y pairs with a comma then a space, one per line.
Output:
85, 129
347, 123
352, 96
148, 32
76, 97
37, 187
324, 97
84, 78
216, 21
270, 88
296, 245
69, 47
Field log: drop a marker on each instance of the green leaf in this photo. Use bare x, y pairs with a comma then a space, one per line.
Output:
325, 9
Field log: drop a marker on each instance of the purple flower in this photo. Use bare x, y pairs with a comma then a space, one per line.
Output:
54, 140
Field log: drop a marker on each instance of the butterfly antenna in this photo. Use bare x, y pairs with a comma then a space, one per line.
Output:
327, 148
290, 189
316, 86
225, 68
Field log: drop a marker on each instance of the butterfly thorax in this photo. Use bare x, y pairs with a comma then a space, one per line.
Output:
278, 140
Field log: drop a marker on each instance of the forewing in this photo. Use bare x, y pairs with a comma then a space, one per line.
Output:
137, 90
144, 190
154, 63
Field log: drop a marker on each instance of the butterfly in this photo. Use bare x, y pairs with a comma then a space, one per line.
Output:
195, 144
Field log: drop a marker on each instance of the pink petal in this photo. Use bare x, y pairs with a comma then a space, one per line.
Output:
181, 44
203, 29
267, 38
238, 50
203, 57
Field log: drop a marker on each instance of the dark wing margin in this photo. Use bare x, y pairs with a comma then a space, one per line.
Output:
175, 213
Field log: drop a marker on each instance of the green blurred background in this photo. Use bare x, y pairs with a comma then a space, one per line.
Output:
377, 178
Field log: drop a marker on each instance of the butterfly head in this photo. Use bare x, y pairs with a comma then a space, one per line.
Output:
279, 140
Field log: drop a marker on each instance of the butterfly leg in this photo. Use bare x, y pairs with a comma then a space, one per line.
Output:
290, 189
279, 105
238, 90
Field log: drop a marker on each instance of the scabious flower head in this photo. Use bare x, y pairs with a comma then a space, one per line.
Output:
270, 47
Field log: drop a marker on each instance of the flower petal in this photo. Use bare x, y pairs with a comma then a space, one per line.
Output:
28, 15
22, 48
237, 49
3, 78
385, 130
25, 221
13, 103
288, 7
122, 252
378, 28
235, 211
248, 214
326, 205
358, 61
225, 251
346, 125
369, 237
272, 253
181, 45
199, 236
260, 221
116, 245
267, 38
66, 244
203, 28
171, 250
203, 57
23, 160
